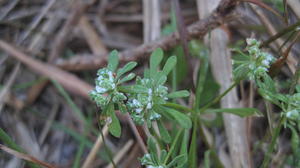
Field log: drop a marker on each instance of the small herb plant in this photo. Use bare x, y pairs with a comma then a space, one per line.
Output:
149, 102
143, 100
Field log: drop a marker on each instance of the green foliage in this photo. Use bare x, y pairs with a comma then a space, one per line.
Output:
254, 64
142, 99
242, 112
147, 101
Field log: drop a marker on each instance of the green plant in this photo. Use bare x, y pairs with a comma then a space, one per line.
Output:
148, 101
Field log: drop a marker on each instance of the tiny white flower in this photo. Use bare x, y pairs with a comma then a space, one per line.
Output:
154, 116
149, 105
149, 91
136, 103
265, 62
138, 110
100, 89
110, 75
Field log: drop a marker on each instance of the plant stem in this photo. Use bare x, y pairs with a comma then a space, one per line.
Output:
173, 146
217, 99
273, 142
281, 33
178, 107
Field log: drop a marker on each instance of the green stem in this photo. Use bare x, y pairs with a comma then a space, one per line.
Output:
178, 107
273, 142
217, 99
295, 79
193, 147
174, 143
217, 161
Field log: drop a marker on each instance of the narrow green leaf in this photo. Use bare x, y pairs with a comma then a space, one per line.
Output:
165, 136
177, 94
70, 102
160, 78
242, 112
207, 159
113, 60
128, 67
114, 127
151, 145
295, 140
184, 146
163, 154
127, 78
298, 88
183, 120
155, 59
269, 96
170, 64
152, 150
178, 160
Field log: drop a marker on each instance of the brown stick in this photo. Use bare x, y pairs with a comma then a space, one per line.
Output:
25, 157
197, 30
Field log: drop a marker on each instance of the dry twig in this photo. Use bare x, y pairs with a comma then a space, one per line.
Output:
197, 30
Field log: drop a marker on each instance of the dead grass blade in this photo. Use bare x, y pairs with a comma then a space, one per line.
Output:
220, 59
25, 157
91, 156
69, 81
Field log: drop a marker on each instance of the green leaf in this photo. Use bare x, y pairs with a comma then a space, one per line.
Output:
146, 73
241, 72
295, 141
183, 120
242, 112
159, 78
177, 94
155, 59
165, 136
152, 150
122, 108
184, 146
113, 60
128, 67
127, 78
298, 88
170, 64
151, 145
178, 160
133, 89
114, 127
269, 96
207, 159
163, 154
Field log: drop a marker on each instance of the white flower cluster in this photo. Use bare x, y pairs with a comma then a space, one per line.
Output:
260, 61
140, 105
106, 83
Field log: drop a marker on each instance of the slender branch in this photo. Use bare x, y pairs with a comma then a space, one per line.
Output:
217, 99
221, 15
281, 33
273, 142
